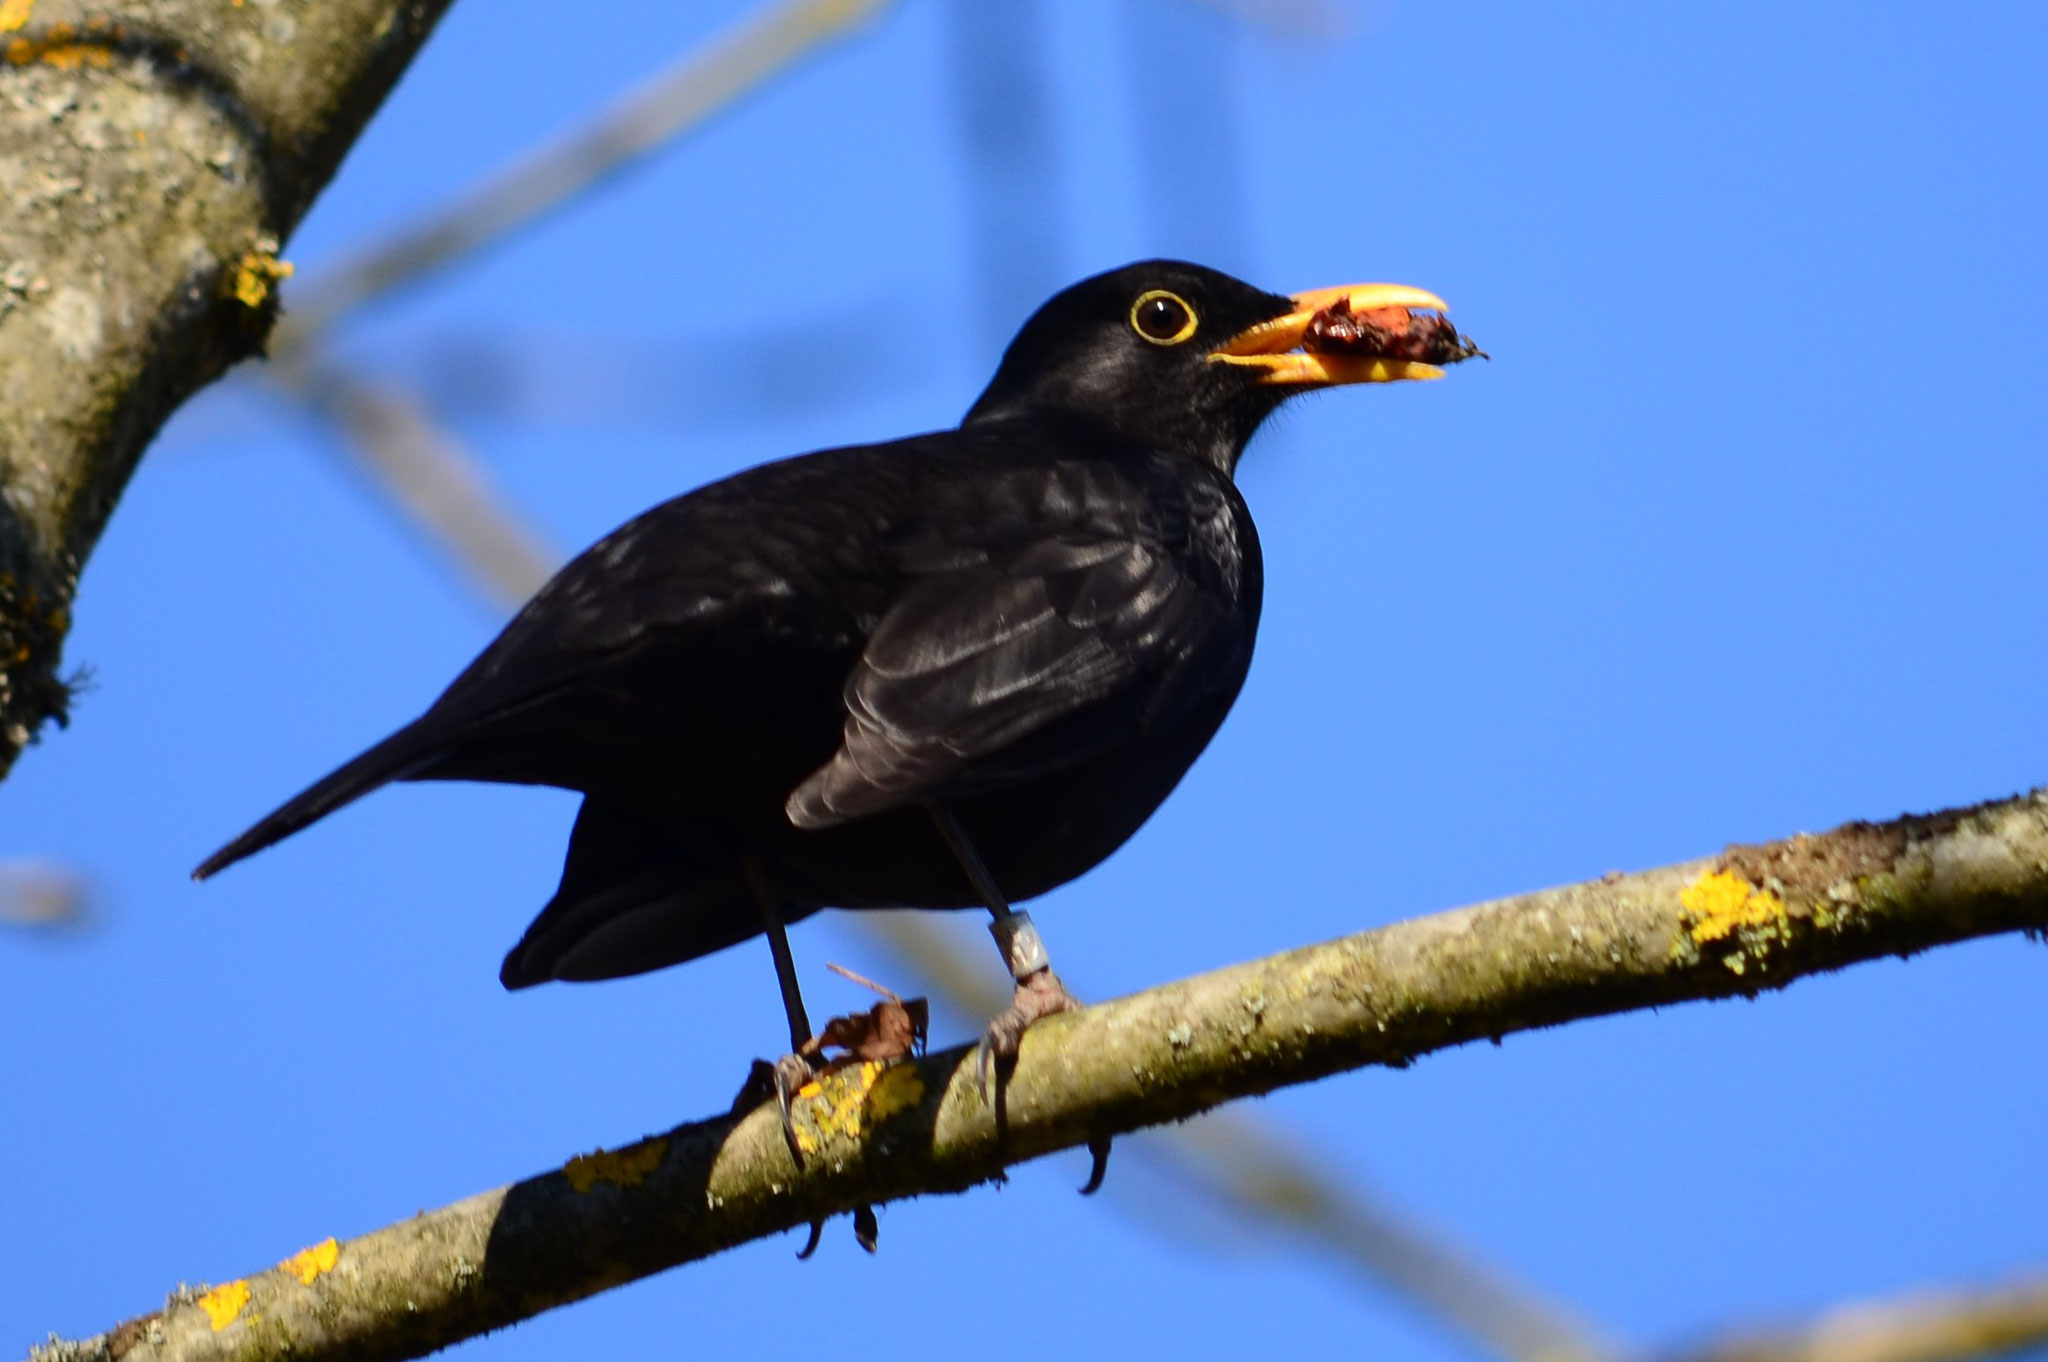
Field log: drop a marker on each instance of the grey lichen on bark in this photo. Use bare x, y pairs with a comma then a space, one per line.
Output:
153, 158
1752, 919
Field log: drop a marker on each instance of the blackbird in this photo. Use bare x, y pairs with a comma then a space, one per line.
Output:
948, 671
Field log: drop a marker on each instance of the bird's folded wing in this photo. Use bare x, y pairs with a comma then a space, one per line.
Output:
998, 671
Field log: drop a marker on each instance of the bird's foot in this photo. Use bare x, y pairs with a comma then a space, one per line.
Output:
790, 1074
891, 1029
1039, 994
781, 1081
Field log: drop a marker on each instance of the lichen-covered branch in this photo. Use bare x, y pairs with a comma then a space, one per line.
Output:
1246, 1167
154, 155
1754, 918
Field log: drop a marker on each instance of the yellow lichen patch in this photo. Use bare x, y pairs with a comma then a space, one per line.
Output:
900, 1089
56, 50
626, 1167
260, 269
64, 46
14, 13
1719, 903
307, 1264
71, 56
223, 1303
854, 1099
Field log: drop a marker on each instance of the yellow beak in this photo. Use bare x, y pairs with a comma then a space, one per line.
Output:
1273, 346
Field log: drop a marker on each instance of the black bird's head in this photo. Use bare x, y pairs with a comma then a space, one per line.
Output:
1188, 358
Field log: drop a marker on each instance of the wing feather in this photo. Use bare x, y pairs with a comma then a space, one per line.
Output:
1081, 635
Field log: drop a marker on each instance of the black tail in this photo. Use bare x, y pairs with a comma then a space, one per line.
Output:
397, 757
638, 892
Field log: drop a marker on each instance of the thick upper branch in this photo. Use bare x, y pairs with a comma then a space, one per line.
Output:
153, 155
1752, 919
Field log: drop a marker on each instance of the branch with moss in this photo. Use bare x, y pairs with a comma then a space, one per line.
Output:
1754, 918
154, 156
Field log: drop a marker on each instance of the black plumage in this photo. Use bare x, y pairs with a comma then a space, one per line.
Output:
770, 689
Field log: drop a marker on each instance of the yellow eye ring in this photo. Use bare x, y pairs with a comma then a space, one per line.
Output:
1163, 318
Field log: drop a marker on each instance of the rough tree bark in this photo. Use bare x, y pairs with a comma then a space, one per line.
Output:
154, 155
1751, 919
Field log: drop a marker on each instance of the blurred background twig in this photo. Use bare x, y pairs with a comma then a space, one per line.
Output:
694, 88
1920, 1326
44, 896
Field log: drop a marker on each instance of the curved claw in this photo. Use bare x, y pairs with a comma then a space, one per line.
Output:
791, 1073
997, 1054
1038, 995
1098, 1152
985, 1069
867, 1232
811, 1244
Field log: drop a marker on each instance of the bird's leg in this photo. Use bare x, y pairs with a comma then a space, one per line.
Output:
1039, 992
794, 1069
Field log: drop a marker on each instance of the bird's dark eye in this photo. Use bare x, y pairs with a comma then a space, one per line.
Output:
1162, 318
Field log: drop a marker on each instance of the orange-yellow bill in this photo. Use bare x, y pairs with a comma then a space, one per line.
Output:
1296, 349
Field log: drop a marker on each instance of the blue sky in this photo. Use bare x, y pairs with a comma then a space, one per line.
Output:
1739, 534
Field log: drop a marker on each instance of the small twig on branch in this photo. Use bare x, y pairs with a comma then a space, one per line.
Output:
1929, 1327
1751, 919
697, 86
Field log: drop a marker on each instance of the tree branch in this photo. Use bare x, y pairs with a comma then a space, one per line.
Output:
1754, 918
1246, 1167
152, 159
